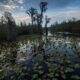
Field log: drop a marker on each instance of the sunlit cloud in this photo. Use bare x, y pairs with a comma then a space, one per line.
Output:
22, 18
10, 7
11, 4
20, 1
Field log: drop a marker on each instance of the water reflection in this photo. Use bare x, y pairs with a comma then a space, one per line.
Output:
30, 52
26, 48
58, 46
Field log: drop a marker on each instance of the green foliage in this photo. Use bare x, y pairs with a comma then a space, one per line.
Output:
2, 73
72, 26
75, 77
7, 27
2, 32
27, 29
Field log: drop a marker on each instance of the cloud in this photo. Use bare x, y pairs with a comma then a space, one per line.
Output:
65, 15
11, 4
57, 4
22, 18
20, 1
59, 10
8, 6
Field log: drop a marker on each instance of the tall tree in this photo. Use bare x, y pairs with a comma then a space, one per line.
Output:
10, 25
2, 30
39, 24
47, 20
43, 8
31, 12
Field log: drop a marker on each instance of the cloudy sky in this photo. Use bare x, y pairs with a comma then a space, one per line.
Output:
58, 10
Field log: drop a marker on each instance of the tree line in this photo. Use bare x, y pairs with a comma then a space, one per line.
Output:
72, 26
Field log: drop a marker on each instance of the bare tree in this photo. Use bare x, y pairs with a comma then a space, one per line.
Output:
43, 8
10, 25
47, 20
31, 12
38, 17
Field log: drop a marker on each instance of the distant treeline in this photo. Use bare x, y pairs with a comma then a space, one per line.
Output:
72, 26
10, 31
29, 29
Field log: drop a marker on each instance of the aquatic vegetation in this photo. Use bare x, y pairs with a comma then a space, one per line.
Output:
54, 79
78, 53
13, 78
35, 76
76, 77
40, 72
2, 73
64, 76
69, 70
45, 62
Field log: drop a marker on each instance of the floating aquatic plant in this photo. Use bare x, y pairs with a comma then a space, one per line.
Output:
35, 76
69, 70
2, 73
75, 77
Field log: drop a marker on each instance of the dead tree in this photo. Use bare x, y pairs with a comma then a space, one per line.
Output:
47, 20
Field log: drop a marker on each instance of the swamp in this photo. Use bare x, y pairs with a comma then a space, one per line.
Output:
41, 42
